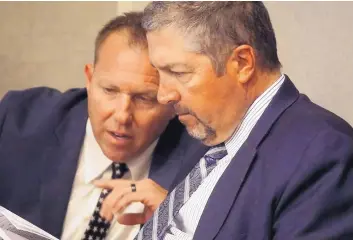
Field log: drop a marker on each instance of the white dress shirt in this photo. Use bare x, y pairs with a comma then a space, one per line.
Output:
92, 165
184, 225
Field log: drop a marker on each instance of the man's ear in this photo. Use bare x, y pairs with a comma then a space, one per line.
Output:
89, 68
242, 63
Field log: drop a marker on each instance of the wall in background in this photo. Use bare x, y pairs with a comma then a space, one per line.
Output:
315, 48
126, 6
48, 43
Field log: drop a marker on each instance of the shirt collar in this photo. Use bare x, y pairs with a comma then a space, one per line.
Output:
95, 163
139, 166
252, 116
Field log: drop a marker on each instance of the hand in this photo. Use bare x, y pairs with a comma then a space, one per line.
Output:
147, 192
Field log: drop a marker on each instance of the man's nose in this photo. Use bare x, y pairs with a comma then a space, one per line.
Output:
123, 112
167, 93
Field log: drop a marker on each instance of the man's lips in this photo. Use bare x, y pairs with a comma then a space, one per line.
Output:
120, 135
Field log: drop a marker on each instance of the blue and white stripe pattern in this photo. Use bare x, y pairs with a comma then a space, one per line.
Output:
166, 212
182, 226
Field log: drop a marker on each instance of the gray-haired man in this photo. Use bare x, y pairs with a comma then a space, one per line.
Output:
279, 166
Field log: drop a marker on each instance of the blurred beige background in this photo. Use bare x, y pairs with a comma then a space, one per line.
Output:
48, 43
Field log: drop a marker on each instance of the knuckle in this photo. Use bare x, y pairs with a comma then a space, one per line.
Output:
148, 181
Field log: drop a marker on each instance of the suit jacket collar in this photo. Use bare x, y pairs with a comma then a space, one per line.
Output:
60, 165
228, 186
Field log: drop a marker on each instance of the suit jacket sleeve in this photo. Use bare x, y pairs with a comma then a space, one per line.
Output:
317, 202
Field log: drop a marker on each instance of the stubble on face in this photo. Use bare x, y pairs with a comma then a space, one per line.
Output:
200, 129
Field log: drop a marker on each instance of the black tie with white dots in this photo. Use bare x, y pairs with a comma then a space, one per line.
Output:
98, 226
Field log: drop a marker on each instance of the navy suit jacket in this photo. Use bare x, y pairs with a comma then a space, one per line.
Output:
291, 179
41, 134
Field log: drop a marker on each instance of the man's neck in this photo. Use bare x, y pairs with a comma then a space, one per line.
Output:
260, 83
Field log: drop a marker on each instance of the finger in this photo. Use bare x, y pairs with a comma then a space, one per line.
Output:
108, 203
111, 183
105, 183
114, 197
151, 186
132, 219
127, 199
105, 213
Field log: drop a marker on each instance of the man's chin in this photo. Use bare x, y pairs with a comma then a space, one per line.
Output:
200, 133
121, 157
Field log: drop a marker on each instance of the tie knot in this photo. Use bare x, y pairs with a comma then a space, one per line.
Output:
119, 169
216, 153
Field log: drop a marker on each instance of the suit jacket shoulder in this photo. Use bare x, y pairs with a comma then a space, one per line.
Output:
27, 111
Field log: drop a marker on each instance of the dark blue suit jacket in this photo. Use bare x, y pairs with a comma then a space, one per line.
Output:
41, 134
292, 178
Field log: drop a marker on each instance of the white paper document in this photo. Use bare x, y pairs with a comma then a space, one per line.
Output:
13, 227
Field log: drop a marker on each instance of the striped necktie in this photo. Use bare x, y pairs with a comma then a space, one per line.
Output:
157, 226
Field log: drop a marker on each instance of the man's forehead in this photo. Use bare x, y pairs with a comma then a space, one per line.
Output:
127, 78
117, 52
127, 57
165, 57
167, 51
164, 39
135, 64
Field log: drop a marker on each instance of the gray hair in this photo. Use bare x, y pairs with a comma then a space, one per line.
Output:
216, 28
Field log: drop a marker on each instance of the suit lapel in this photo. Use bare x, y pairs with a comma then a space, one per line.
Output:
164, 163
229, 185
59, 167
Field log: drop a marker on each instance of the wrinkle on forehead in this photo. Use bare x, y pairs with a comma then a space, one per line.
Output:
125, 78
107, 74
167, 47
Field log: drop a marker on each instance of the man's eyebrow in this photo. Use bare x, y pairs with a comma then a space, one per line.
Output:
146, 92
